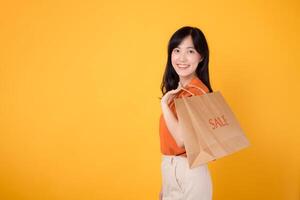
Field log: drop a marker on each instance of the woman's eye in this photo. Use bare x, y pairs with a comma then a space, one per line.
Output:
176, 50
191, 52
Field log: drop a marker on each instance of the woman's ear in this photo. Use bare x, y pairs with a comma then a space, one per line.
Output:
201, 58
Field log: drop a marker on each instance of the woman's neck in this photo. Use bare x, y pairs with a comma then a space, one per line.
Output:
184, 81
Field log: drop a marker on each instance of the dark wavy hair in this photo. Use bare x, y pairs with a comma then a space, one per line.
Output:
170, 77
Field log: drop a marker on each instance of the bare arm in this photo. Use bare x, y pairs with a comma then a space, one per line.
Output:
170, 119
172, 124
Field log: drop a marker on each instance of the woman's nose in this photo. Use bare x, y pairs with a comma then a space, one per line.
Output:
182, 57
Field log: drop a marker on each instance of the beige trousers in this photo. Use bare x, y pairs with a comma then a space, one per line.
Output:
179, 182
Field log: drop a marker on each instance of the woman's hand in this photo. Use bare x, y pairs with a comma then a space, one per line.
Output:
169, 96
160, 195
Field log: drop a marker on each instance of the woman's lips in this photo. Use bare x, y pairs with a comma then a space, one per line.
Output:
183, 66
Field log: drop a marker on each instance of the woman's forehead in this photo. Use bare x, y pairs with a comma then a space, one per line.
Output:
186, 43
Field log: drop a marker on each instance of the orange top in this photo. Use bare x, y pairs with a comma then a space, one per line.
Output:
168, 144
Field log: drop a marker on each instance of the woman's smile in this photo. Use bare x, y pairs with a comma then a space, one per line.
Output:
183, 66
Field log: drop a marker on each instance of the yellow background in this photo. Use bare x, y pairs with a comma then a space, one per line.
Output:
79, 88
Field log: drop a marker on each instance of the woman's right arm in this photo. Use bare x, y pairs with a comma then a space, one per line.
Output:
172, 124
170, 119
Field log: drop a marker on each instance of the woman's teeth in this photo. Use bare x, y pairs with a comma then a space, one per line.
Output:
183, 66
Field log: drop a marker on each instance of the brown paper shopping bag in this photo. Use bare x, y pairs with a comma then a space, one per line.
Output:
210, 129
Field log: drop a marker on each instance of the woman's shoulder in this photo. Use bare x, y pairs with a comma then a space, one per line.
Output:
198, 90
196, 86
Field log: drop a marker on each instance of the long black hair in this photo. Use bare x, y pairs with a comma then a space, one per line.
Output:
170, 77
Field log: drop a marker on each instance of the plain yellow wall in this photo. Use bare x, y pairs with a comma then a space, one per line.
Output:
79, 88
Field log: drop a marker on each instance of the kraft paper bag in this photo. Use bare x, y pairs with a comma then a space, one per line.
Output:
209, 127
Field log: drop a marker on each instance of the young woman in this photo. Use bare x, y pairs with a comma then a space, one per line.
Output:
186, 72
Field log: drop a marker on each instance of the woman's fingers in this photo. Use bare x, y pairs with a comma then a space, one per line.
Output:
176, 90
170, 95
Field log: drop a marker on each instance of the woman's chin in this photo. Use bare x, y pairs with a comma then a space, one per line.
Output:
184, 75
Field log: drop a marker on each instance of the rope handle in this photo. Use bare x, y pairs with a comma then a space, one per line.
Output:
194, 87
189, 91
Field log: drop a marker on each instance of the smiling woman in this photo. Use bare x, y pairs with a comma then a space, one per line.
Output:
185, 60
187, 65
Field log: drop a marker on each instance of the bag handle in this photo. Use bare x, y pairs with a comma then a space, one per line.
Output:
189, 91
194, 87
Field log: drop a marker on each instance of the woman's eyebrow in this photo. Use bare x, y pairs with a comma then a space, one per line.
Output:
188, 47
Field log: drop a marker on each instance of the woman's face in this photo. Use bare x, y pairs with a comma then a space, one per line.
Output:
185, 58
